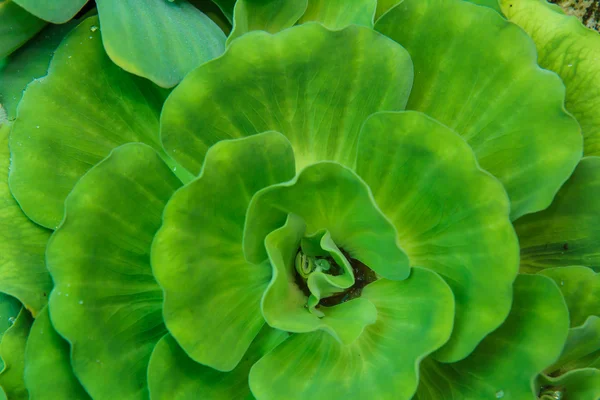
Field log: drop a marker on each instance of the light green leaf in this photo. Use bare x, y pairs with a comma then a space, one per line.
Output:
328, 196
55, 11
28, 63
414, 319
48, 372
284, 305
384, 6
493, 4
567, 232
158, 39
60, 133
197, 255
506, 362
337, 14
491, 91
17, 26
172, 375
582, 384
214, 12
12, 351
227, 7
9, 310
23, 271
571, 50
581, 350
265, 15
313, 85
451, 217
105, 301
580, 287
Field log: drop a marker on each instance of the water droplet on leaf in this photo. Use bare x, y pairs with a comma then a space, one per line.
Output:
500, 394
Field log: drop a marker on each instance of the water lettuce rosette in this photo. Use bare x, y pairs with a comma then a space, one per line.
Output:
330, 209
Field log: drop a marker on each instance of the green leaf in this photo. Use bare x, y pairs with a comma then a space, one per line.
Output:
313, 85
60, 133
48, 372
17, 26
158, 39
265, 15
173, 375
451, 217
337, 14
384, 6
197, 255
214, 12
567, 232
328, 196
12, 351
571, 50
227, 7
284, 305
581, 350
28, 63
23, 273
580, 287
105, 301
55, 11
506, 362
9, 310
414, 319
493, 4
582, 384
492, 92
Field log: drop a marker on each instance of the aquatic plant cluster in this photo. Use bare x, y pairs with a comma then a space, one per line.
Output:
298, 199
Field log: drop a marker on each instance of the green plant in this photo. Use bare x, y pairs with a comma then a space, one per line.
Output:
332, 208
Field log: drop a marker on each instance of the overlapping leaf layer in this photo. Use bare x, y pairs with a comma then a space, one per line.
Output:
382, 199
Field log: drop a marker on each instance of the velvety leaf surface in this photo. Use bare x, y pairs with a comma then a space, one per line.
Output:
28, 63
265, 15
12, 351
567, 232
313, 85
571, 50
582, 384
48, 372
172, 375
337, 14
61, 133
17, 26
328, 196
105, 301
55, 11
507, 361
158, 39
492, 92
414, 319
23, 271
451, 217
197, 255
